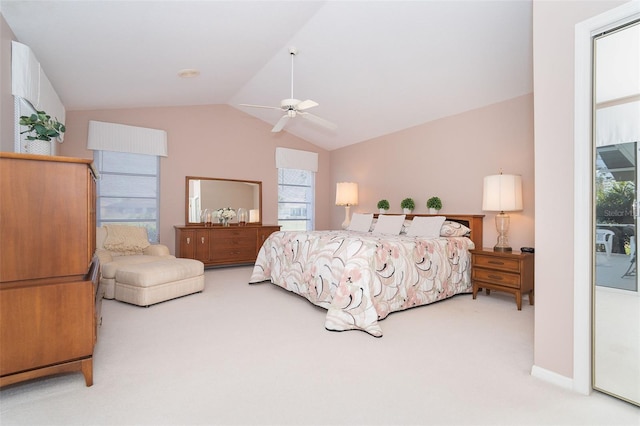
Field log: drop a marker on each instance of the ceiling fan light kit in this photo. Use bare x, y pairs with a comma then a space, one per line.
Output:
293, 107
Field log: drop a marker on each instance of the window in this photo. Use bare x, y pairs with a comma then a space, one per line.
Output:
128, 190
296, 199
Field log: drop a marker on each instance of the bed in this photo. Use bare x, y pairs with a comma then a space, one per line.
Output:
361, 275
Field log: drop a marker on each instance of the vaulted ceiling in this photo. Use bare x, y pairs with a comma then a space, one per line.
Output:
374, 67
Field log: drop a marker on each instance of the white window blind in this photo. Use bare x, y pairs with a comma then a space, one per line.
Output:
296, 199
128, 191
122, 138
287, 158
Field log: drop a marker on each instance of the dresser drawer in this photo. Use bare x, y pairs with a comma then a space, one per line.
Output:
234, 238
496, 277
501, 263
235, 254
232, 242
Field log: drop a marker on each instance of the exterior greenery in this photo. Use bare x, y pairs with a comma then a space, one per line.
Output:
615, 212
41, 126
383, 204
408, 203
615, 203
434, 203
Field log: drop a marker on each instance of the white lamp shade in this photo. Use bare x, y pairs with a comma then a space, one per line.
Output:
346, 194
502, 193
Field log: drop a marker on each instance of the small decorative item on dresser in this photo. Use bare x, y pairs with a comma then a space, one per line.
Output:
434, 204
407, 205
511, 272
225, 215
206, 217
383, 205
243, 216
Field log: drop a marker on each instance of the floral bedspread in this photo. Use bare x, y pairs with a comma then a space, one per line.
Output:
361, 278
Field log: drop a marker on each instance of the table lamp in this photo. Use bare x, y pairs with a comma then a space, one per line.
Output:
502, 193
347, 196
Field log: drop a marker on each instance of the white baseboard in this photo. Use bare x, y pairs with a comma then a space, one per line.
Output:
554, 378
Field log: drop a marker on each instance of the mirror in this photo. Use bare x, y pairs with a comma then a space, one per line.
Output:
213, 193
616, 305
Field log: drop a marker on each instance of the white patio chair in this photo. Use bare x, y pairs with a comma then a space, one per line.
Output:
604, 237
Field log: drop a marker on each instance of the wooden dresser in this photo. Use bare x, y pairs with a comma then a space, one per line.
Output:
49, 286
511, 272
219, 245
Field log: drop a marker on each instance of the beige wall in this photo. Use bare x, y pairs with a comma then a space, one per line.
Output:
6, 98
447, 158
208, 141
554, 55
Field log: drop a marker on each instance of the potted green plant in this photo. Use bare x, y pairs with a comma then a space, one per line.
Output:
407, 205
383, 205
40, 126
434, 204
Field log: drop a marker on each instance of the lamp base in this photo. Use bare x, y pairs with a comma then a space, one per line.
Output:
347, 219
502, 226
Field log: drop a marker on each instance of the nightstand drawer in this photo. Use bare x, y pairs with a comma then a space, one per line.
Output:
493, 262
496, 277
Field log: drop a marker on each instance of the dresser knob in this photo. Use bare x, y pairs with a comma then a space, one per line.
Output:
495, 277
188, 240
202, 238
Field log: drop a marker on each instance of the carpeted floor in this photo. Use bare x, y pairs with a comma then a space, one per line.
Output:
257, 355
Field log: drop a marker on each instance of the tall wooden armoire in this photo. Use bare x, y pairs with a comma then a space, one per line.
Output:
49, 286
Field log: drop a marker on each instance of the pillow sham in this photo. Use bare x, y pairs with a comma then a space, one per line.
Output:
389, 225
428, 227
453, 229
360, 222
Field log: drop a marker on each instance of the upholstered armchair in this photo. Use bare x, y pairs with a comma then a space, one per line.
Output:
119, 245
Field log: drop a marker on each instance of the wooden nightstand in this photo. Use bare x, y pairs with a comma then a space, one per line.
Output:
503, 271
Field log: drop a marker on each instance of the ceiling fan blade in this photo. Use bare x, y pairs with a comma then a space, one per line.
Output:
306, 105
320, 121
280, 124
260, 106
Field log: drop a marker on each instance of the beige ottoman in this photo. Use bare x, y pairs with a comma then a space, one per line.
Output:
147, 283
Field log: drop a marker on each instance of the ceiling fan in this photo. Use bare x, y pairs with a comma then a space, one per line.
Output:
294, 107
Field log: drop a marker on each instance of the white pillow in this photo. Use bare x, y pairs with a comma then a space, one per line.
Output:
360, 222
428, 227
390, 225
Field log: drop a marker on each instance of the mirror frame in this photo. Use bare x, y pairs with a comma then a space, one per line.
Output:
186, 197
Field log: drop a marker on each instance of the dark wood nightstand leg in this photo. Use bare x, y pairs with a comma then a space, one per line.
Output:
519, 300
475, 290
531, 297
